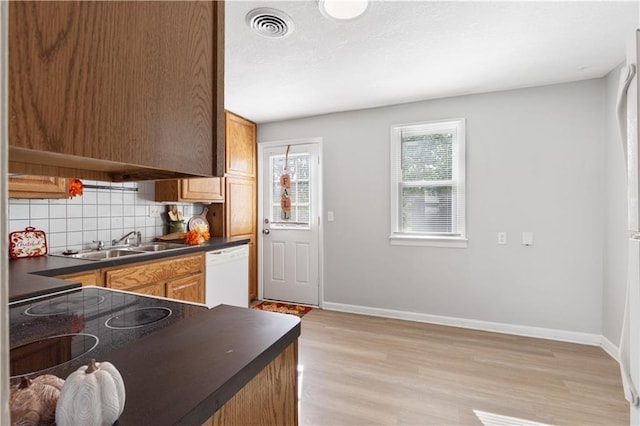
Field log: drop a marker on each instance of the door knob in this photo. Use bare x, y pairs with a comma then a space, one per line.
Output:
266, 231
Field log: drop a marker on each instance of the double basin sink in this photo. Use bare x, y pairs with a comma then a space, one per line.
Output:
121, 251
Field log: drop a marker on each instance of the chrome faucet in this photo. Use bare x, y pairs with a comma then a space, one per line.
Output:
138, 240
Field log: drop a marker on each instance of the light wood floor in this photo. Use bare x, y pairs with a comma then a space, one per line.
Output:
360, 370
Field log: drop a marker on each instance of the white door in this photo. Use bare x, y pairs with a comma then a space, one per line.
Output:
290, 236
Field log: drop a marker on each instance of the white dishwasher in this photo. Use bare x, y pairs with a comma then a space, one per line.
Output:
227, 277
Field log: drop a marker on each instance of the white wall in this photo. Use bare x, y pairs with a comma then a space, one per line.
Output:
534, 163
615, 225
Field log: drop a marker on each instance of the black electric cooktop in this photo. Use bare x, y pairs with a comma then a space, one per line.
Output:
56, 334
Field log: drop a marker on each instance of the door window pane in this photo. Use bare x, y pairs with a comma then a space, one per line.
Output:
298, 170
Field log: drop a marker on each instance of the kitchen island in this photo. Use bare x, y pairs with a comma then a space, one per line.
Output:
240, 364
226, 365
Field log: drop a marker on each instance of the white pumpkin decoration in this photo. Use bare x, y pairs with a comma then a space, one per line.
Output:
93, 395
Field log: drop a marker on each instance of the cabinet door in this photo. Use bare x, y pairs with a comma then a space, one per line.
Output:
25, 186
127, 83
206, 190
240, 212
132, 277
209, 189
240, 146
189, 288
85, 278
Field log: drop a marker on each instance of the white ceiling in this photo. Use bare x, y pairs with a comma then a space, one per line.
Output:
415, 50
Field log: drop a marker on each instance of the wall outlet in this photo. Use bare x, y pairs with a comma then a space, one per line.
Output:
527, 238
330, 217
502, 238
154, 211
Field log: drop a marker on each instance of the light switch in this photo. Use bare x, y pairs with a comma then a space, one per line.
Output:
502, 238
330, 216
527, 238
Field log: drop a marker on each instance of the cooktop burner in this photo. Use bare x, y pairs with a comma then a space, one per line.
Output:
71, 303
137, 318
29, 359
40, 327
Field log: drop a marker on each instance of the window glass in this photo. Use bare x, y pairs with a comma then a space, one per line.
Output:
298, 171
428, 180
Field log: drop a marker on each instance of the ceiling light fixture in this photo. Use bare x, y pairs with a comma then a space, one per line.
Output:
343, 10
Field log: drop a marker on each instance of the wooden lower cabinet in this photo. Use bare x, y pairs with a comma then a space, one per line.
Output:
179, 278
190, 289
270, 398
85, 278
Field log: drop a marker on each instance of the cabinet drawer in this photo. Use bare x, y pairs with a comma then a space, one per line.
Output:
151, 272
189, 288
156, 289
85, 278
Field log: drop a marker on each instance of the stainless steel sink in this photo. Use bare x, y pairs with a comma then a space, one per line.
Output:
114, 252
159, 247
105, 254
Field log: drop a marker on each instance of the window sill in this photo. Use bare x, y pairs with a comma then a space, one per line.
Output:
414, 240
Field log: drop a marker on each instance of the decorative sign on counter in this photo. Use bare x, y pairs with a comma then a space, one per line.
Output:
28, 243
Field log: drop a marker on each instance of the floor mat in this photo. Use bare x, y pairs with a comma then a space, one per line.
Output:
283, 308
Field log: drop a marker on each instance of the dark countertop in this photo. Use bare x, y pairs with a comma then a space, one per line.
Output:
30, 277
186, 372
178, 374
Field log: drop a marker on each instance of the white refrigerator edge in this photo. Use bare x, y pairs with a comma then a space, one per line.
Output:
627, 113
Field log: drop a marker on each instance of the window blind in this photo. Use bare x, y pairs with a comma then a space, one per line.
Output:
429, 199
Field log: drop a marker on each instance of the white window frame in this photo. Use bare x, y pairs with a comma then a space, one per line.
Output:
420, 239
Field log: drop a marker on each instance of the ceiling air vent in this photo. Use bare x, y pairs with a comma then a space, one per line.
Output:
269, 22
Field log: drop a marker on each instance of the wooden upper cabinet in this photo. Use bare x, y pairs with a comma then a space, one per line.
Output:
240, 146
241, 207
23, 186
116, 91
207, 190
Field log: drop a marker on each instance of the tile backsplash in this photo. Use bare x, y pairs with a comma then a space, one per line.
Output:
99, 214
